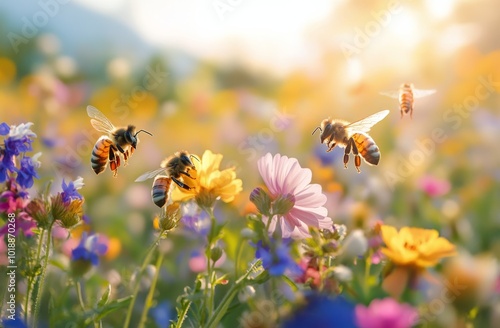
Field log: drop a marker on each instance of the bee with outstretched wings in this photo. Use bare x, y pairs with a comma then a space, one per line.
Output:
115, 143
353, 137
406, 96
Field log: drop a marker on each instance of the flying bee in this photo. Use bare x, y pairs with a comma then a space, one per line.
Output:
175, 167
108, 148
353, 137
406, 96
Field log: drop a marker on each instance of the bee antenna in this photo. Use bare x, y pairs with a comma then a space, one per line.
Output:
192, 156
142, 131
318, 128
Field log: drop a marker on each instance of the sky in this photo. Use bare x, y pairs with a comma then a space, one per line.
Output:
273, 31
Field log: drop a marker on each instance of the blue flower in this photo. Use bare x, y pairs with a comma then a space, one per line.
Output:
326, 158
4, 129
15, 146
15, 322
161, 314
70, 191
323, 311
89, 249
277, 260
27, 172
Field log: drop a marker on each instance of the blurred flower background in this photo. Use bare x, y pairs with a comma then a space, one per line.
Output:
244, 78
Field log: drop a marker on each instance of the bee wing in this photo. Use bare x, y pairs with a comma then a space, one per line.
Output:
417, 93
365, 124
99, 121
391, 94
149, 175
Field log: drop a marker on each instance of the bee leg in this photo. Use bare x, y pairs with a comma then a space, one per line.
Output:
120, 149
114, 161
125, 157
357, 158
181, 184
346, 153
331, 147
187, 174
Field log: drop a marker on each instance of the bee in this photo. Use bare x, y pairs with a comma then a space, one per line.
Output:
406, 96
353, 137
175, 167
108, 148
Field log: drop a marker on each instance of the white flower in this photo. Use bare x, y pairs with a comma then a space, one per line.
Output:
21, 130
78, 183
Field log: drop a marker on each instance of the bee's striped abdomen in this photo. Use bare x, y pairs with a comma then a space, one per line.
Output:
406, 100
367, 148
160, 190
100, 154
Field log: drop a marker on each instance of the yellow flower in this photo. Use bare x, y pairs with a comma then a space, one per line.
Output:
415, 247
210, 183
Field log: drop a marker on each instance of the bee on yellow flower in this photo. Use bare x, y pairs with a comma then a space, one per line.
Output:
210, 183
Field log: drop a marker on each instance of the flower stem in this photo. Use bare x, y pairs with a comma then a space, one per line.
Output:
149, 298
220, 311
78, 287
138, 279
31, 279
209, 281
42, 275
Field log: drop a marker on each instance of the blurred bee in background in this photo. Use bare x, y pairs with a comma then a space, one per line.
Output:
406, 96
109, 147
353, 137
175, 167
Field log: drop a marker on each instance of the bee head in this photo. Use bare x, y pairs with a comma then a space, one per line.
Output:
131, 137
185, 159
326, 129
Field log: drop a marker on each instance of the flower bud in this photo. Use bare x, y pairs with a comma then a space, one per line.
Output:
342, 273
355, 244
216, 253
170, 218
261, 200
283, 204
36, 209
246, 293
68, 214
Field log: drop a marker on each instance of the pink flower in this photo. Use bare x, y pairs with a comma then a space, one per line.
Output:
386, 313
285, 179
434, 187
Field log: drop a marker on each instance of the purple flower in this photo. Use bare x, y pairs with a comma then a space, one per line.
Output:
302, 201
27, 171
70, 191
386, 313
4, 129
277, 260
89, 249
23, 223
195, 221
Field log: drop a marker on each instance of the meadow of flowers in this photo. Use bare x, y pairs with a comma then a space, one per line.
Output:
272, 230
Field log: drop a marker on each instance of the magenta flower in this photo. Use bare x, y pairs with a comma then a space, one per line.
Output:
286, 179
433, 186
386, 313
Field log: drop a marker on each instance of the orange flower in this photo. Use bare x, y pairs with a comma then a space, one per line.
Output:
415, 247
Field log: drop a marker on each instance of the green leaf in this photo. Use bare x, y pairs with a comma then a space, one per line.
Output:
105, 297
111, 307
